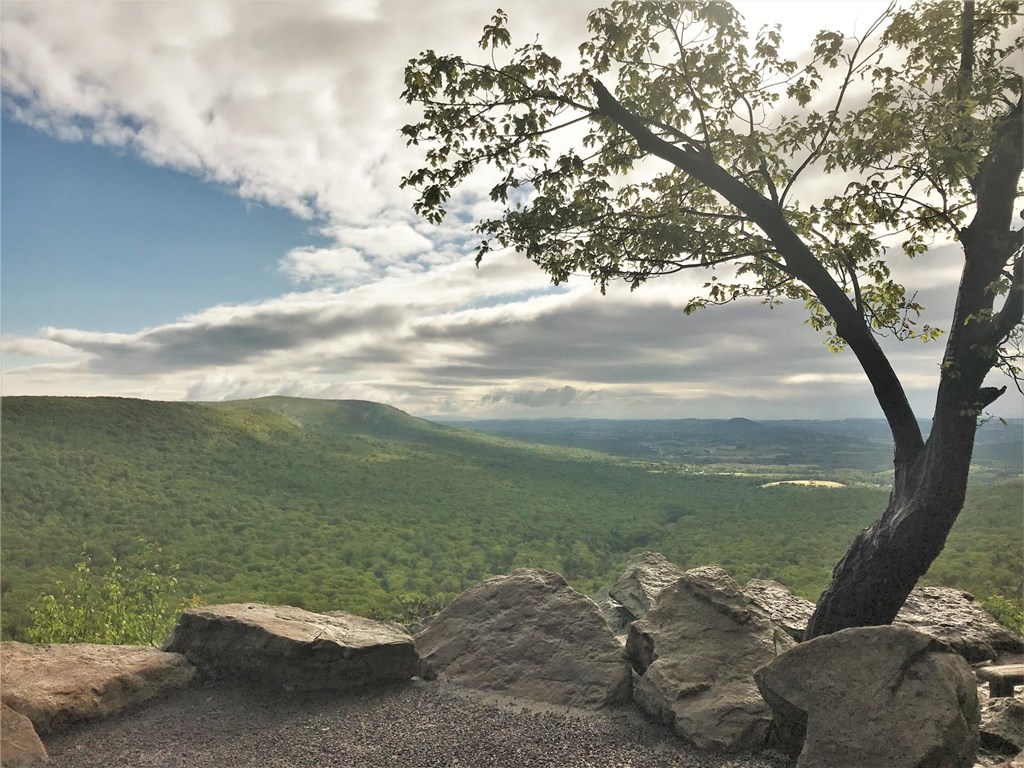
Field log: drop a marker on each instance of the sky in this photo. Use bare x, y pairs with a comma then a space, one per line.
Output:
200, 201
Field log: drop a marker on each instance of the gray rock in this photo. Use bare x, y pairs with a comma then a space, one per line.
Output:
19, 742
696, 652
1002, 723
954, 617
950, 615
874, 697
615, 613
292, 648
790, 612
528, 634
55, 686
645, 575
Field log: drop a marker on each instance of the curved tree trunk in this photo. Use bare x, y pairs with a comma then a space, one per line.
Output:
885, 560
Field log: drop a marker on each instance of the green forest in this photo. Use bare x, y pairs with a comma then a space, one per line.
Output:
349, 505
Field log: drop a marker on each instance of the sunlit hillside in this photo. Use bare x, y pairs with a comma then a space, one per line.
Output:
347, 505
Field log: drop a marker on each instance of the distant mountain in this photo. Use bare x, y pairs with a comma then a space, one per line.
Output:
850, 444
352, 417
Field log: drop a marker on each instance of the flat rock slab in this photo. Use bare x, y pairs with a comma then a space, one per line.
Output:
56, 686
293, 648
790, 612
954, 617
19, 742
696, 652
528, 634
874, 697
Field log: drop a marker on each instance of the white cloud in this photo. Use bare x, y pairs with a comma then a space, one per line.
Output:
324, 265
36, 347
389, 242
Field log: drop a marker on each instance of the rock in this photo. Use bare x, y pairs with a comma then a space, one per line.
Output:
19, 742
55, 686
292, 648
874, 697
790, 612
615, 613
646, 574
949, 615
954, 617
1002, 723
528, 634
696, 652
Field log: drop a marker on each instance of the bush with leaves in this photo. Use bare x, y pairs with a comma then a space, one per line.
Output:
119, 606
412, 609
1006, 612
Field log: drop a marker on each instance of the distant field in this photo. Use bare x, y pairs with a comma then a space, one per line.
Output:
806, 483
346, 505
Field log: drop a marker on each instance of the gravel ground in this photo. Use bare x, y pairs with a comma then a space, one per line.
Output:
419, 725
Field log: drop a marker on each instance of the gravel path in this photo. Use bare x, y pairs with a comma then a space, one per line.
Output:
421, 725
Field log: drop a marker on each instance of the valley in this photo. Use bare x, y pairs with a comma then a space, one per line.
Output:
357, 506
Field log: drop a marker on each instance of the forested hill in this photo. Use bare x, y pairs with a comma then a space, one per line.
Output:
160, 425
348, 505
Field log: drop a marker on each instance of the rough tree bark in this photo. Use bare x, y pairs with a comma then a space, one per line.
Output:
885, 561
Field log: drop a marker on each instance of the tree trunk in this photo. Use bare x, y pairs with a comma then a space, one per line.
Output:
885, 560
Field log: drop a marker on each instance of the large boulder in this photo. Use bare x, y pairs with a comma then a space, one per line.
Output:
55, 686
292, 648
531, 635
790, 612
696, 652
874, 697
954, 617
19, 742
643, 578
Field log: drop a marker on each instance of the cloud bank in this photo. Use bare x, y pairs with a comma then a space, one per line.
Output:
297, 105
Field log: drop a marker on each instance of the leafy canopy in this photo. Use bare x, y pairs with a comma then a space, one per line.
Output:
892, 118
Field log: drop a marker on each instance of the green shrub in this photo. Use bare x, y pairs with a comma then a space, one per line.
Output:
1005, 611
411, 609
117, 607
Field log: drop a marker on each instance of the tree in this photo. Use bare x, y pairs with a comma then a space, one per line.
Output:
698, 159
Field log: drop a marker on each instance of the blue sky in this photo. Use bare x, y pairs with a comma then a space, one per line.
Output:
201, 201
100, 240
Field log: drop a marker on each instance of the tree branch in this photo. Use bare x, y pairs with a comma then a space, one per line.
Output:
834, 112
799, 261
1012, 313
966, 74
